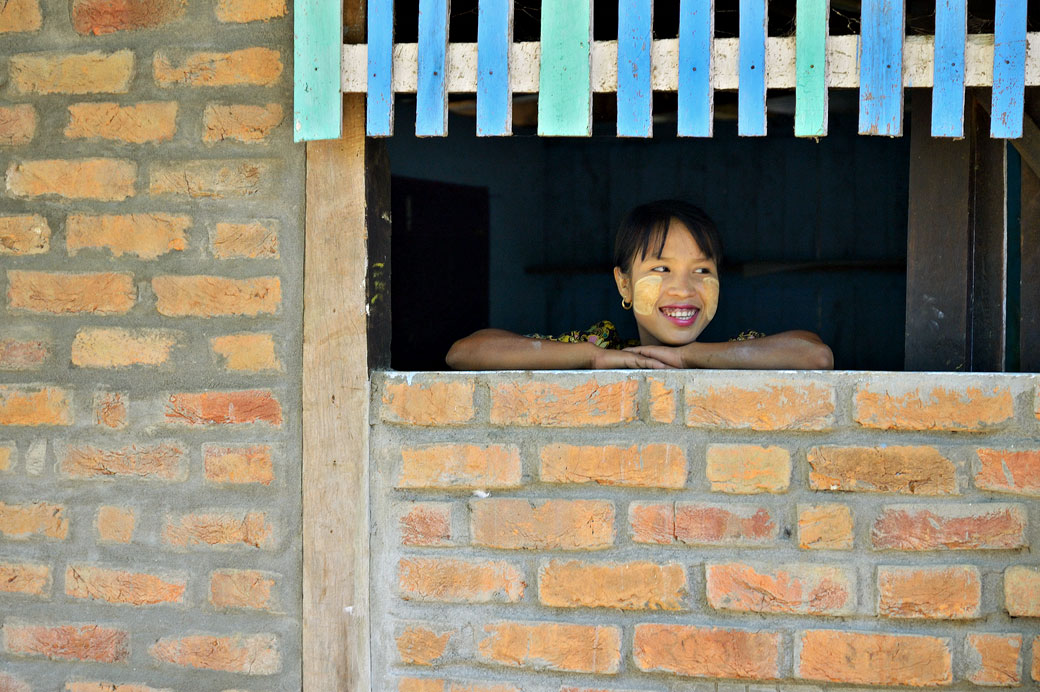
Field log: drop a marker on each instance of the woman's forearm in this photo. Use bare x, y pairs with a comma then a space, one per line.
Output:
794, 350
496, 349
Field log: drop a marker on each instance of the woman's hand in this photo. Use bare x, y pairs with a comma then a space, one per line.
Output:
609, 359
795, 350
671, 356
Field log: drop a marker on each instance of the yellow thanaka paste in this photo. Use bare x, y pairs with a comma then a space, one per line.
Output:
711, 297
647, 290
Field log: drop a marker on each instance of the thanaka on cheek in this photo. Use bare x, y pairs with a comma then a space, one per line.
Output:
711, 297
647, 291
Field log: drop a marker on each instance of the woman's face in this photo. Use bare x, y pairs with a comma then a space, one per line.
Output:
673, 296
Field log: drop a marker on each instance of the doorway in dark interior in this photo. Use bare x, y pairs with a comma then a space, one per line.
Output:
439, 241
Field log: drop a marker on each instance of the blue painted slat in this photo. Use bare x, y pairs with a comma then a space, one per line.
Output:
751, 89
948, 90
696, 95
317, 52
881, 68
431, 95
379, 114
634, 93
1009, 69
494, 42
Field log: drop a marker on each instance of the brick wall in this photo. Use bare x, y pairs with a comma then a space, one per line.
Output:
150, 259
579, 532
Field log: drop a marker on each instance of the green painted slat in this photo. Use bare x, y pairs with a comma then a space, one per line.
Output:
317, 51
565, 73
810, 95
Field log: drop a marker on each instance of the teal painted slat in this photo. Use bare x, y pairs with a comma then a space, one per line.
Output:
951, 26
431, 93
379, 115
494, 42
881, 68
696, 94
810, 94
565, 73
317, 52
751, 88
1009, 69
635, 96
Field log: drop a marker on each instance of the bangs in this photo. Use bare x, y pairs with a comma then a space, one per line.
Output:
645, 231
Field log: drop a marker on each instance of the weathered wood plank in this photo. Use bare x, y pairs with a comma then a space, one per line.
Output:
565, 79
431, 94
317, 52
494, 94
379, 116
335, 413
951, 25
696, 97
810, 96
634, 95
751, 94
1009, 67
881, 68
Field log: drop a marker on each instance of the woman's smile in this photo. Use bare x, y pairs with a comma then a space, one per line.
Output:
682, 315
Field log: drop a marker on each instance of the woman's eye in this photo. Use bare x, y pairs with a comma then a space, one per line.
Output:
702, 270
659, 269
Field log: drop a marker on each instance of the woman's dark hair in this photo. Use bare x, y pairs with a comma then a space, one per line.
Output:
648, 223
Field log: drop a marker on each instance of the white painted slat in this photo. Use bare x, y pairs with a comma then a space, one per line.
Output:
842, 68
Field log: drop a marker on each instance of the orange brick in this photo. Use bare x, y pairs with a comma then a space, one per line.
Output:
459, 581
649, 466
34, 406
24, 235
110, 347
146, 236
941, 408
250, 10
702, 524
747, 469
549, 404
8, 682
781, 588
662, 401
426, 524
994, 659
947, 593
873, 659
1006, 471
255, 654
20, 16
7, 455
252, 464
120, 586
105, 180
429, 403
420, 645
17, 125
99, 17
250, 66
108, 687
825, 527
101, 294
162, 461
515, 524
886, 469
254, 240
224, 408
69, 73
626, 586
224, 530
1022, 591
247, 352
233, 588
950, 527
707, 652
217, 296
24, 578
552, 646
139, 123
110, 409
440, 685
1036, 659
210, 179
23, 354
115, 524
242, 123
774, 406
460, 466
67, 642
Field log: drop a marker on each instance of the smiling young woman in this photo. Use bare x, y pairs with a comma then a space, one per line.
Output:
666, 257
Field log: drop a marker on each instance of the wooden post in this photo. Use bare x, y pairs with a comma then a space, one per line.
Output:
1029, 332
956, 245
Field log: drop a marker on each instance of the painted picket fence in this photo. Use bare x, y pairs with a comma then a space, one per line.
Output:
567, 66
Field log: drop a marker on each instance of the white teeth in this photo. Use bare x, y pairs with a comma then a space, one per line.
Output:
680, 314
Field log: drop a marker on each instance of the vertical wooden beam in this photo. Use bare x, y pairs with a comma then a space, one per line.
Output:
1029, 330
635, 97
565, 71
696, 98
881, 68
751, 86
956, 249
951, 25
810, 92
494, 55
